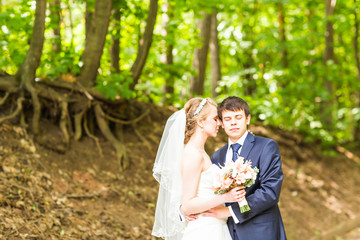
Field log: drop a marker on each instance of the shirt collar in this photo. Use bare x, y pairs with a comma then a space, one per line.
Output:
240, 141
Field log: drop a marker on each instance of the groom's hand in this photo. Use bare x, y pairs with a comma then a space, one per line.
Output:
218, 212
191, 217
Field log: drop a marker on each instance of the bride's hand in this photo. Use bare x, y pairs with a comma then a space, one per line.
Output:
235, 195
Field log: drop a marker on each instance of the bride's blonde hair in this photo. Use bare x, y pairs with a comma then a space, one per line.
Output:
195, 112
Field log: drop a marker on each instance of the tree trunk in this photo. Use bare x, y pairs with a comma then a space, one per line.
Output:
282, 35
89, 15
27, 71
214, 55
71, 25
325, 108
200, 58
145, 43
167, 57
313, 30
249, 82
329, 34
115, 47
95, 43
356, 52
55, 22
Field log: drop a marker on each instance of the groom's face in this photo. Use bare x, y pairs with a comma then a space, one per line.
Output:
235, 123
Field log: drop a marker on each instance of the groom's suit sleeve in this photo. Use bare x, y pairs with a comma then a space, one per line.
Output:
270, 178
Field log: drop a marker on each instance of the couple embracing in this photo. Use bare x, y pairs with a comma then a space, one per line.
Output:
186, 175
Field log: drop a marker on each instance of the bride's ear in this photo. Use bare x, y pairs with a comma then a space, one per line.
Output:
200, 123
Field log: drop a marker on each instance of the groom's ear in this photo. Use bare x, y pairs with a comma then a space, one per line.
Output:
248, 119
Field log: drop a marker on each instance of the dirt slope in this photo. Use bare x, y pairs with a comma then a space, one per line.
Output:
81, 194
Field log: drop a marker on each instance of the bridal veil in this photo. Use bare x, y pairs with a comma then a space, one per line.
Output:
167, 172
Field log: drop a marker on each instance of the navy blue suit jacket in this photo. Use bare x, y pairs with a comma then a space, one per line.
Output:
263, 221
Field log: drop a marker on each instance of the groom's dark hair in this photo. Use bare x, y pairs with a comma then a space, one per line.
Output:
233, 104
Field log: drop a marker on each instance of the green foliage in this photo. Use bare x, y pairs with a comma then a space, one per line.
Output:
16, 27
288, 92
116, 86
66, 61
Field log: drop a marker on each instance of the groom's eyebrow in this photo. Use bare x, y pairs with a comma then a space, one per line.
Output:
235, 116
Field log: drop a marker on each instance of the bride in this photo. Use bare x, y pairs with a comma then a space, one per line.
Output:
185, 174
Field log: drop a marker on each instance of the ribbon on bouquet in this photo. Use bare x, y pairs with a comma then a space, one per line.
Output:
244, 206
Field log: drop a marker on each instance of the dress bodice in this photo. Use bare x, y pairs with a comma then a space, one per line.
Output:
206, 181
209, 228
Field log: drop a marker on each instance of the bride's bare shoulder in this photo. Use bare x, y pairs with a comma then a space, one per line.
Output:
192, 154
190, 149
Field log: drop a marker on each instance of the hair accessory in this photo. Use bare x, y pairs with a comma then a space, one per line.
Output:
200, 107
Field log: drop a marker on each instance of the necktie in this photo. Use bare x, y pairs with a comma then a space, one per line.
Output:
235, 147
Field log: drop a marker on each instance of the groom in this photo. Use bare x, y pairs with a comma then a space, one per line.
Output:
263, 220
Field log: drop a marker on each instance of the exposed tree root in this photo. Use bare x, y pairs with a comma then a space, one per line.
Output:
80, 109
133, 121
64, 122
74, 112
16, 112
76, 88
3, 100
133, 124
77, 125
92, 137
36, 107
9, 84
119, 131
119, 147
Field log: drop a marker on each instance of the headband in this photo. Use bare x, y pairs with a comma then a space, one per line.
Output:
200, 107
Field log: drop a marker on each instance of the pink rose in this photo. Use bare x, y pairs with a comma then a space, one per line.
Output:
240, 178
227, 183
248, 175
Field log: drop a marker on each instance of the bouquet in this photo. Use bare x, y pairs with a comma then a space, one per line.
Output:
234, 174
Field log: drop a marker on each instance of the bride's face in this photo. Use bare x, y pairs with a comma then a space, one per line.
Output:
211, 123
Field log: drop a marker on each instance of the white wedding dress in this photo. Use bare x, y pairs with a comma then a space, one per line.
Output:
207, 228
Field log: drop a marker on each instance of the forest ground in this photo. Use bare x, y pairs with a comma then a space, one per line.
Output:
81, 194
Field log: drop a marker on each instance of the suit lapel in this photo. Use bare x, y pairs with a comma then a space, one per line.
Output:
248, 144
222, 159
